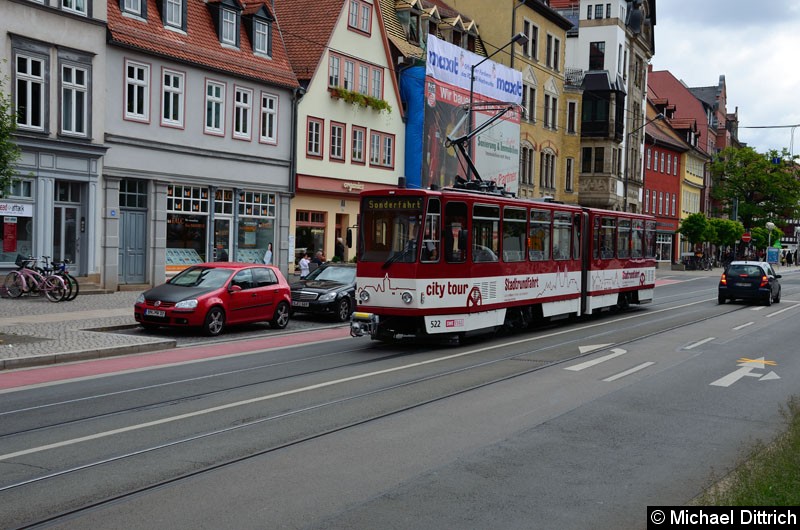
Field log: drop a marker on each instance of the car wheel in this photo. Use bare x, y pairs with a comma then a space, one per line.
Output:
281, 317
215, 322
768, 301
721, 299
777, 298
343, 309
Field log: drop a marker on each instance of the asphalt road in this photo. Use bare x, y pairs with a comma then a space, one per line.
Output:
577, 425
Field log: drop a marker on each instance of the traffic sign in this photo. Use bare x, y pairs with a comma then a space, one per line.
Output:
746, 237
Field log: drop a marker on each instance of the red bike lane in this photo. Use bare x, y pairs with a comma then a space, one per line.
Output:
17, 379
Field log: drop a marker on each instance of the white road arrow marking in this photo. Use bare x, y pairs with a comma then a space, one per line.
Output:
587, 349
746, 370
578, 367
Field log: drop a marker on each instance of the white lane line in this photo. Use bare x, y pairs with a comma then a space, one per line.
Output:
588, 364
629, 372
757, 308
782, 310
331, 383
699, 343
737, 328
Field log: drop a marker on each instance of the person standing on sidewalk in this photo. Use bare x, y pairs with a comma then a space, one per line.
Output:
303, 264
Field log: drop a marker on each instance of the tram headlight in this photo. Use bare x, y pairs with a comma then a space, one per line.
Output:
363, 296
406, 297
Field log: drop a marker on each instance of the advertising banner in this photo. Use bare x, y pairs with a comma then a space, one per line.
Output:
447, 96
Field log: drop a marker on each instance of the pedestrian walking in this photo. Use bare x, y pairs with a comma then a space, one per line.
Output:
304, 262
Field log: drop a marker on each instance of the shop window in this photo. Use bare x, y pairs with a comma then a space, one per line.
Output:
309, 232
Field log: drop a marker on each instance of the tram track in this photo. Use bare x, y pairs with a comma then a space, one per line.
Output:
559, 331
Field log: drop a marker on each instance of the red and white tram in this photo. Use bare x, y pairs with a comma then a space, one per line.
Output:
452, 262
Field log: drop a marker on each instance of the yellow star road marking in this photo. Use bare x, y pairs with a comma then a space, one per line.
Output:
746, 360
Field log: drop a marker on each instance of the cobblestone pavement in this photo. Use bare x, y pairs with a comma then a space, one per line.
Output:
35, 331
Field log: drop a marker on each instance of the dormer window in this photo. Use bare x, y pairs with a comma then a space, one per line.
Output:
136, 8
74, 6
261, 41
173, 12
227, 15
360, 16
258, 24
229, 27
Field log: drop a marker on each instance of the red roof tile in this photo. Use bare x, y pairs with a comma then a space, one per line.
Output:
200, 45
306, 26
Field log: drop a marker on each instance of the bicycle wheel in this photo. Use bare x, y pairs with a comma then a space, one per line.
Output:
14, 284
73, 286
54, 288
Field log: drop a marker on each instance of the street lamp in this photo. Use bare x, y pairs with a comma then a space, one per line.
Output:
520, 38
770, 227
657, 117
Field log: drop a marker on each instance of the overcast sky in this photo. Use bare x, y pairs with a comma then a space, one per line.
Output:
754, 44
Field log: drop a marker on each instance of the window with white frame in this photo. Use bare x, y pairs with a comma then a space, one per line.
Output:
174, 13
363, 79
137, 91
550, 111
30, 92
333, 70
357, 151
360, 16
529, 102
669, 164
172, 95
569, 175
242, 109
74, 100
74, 6
263, 38
133, 7
647, 201
675, 165
377, 83
649, 155
215, 108
269, 118
381, 149
547, 170
674, 200
349, 73
553, 52
526, 161
314, 138
337, 141
663, 156
532, 32
229, 27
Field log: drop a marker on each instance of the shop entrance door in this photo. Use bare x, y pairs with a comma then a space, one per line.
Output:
66, 236
222, 239
132, 247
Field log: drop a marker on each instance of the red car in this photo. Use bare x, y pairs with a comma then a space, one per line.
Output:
213, 295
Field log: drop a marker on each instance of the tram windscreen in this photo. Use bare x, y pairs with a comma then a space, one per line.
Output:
389, 229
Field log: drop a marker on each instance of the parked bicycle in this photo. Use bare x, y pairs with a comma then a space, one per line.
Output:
59, 268
27, 280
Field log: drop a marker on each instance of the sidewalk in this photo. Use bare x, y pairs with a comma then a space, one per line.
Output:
35, 331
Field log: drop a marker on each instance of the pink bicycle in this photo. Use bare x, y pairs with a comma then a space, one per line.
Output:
27, 280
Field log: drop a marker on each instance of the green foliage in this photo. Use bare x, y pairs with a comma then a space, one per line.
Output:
9, 151
694, 228
768, 475
724, 232
761, 189
357, 98
762, 238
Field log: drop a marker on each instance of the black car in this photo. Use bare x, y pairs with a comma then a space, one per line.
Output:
327, 290
750, 280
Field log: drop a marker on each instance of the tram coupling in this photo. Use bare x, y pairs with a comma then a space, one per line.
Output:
363, 323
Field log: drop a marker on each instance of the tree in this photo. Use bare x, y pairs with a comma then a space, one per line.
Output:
724, 232
760, 188
9, 151
694, 228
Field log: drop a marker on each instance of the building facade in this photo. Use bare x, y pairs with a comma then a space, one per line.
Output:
350, 131
53, 55
201, 140
550, 120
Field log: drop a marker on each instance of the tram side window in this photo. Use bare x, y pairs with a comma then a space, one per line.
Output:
539, 236
576, 237
605, 238
624, 238
431, 238
636, 238
514, 220
455, 230
562, 235
485, 233
650, 239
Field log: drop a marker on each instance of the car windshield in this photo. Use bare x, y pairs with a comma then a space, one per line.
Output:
211, 278
751, 271
334, 274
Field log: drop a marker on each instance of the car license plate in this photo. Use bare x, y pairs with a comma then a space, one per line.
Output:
297, 303
154, 313
742, 285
